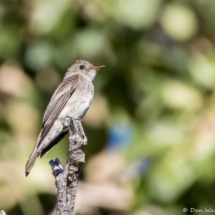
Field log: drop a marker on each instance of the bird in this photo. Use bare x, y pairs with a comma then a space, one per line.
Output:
72, 99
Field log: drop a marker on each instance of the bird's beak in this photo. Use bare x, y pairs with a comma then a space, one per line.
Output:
97, 68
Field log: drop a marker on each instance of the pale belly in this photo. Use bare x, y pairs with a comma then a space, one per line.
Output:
76, 106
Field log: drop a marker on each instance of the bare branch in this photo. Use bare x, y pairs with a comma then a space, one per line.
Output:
67, 180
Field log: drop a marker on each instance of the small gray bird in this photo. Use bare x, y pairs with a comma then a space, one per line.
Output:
71, 99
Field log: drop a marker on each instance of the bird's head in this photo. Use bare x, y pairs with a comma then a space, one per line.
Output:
83, 67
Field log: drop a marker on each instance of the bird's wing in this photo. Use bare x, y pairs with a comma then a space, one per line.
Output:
56, 104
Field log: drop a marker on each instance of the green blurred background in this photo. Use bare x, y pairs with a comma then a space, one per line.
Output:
151, 125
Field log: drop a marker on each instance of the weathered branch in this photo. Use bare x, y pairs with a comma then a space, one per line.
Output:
67, 180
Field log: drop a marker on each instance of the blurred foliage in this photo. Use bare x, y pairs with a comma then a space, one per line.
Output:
151, 126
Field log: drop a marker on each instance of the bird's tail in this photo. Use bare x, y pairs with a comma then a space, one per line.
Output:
31, 161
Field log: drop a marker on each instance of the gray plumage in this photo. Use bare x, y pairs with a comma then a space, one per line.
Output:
72, 98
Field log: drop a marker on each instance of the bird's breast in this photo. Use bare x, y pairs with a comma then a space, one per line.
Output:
79, 102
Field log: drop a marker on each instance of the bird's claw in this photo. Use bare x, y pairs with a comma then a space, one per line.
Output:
78, 133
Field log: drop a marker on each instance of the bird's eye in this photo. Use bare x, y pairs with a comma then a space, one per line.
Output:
81, 67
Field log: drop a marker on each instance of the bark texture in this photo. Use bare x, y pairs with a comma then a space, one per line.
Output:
67, 180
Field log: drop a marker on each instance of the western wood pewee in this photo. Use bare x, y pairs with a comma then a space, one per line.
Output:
71, 99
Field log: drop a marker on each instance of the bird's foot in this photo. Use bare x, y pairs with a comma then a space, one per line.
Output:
78, 131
